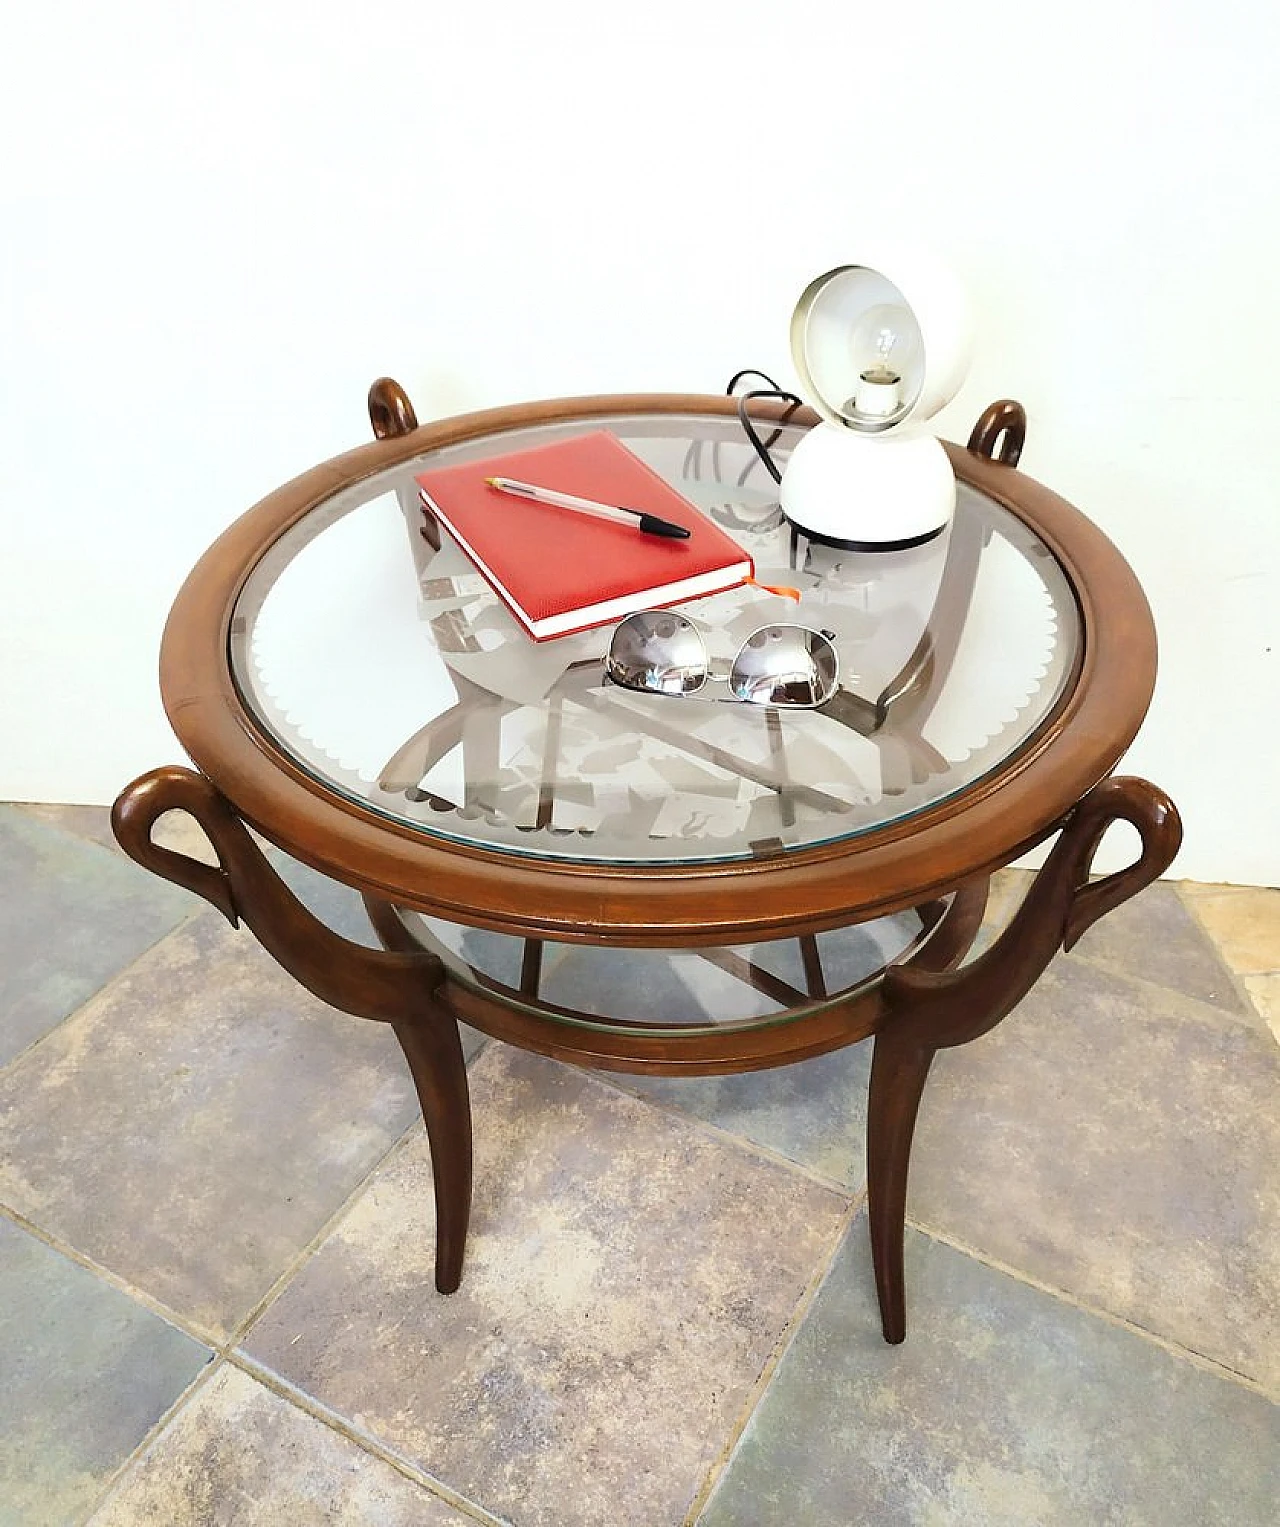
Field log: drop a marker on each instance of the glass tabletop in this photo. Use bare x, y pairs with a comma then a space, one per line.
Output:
388, 670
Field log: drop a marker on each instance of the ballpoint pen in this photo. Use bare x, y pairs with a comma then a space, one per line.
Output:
651, 524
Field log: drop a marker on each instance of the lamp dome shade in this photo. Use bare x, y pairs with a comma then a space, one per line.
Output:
874, 349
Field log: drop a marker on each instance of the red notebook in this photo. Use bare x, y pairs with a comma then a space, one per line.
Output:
560, 571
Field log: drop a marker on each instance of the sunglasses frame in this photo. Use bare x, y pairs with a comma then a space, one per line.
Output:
709, 675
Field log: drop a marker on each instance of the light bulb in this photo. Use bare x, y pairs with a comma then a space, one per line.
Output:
879, 390
881, 370
882, 348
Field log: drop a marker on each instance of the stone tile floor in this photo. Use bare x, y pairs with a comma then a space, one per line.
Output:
216, 1231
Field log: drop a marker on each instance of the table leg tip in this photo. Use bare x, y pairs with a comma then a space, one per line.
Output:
448, 1279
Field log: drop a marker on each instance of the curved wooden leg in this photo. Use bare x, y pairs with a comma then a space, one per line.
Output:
399, 986
439, 1072
929, 1010
434, 1053
898, 1071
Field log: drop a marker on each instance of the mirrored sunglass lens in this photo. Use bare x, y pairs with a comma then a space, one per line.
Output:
657, 650
785, 665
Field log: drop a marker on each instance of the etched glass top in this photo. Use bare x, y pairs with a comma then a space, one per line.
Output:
392, 674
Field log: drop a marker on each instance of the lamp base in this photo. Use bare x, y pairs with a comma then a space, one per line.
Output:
869, 493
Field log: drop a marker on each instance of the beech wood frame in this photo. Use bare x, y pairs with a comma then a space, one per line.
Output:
1060, 782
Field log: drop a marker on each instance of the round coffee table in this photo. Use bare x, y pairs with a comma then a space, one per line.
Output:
640, 882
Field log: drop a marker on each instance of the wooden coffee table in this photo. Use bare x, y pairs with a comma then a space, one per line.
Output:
349, 689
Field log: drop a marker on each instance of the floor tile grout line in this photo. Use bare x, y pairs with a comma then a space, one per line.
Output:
728, 1136
205, 1335
99, 992
1188, 901
300, 1259
1237, 976
153, 1435
764, 1379
1192, 900
223, 1350
1065, 1296
759, 1389
113, 851
219, 1343
298, 1400
309, 1405
1114, 968
617, 1080
1174, 1348
400, 1144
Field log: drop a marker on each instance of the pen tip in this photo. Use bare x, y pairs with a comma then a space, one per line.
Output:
491, 482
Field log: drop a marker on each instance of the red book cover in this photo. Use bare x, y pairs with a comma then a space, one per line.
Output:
559, 570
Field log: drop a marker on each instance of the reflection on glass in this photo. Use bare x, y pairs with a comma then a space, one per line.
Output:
389, 670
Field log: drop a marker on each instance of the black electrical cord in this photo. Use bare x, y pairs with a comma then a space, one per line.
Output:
749, 371
761, 447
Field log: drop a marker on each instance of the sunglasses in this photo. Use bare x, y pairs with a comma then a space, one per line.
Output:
662, 652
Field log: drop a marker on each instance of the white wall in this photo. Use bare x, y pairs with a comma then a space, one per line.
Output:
220, 223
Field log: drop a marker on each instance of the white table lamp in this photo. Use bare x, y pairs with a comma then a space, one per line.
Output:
876, 358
